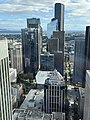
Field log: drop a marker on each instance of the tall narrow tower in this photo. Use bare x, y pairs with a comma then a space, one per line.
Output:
59, 15
31, 45
5, 86
55, 30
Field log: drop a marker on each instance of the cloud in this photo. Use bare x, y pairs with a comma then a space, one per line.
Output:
76, 11
11, 23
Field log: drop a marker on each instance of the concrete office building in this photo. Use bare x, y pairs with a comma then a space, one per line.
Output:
32, 44
5, 85
79, 62
15, 55
54, 93
47, 61
87, 97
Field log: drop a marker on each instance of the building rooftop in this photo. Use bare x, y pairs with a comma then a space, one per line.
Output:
34, 99
55, 78
31, 114
52, 76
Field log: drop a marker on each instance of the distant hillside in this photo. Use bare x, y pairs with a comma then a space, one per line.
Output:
3, 31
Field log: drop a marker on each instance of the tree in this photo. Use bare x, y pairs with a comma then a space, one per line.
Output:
75, 111
67, 109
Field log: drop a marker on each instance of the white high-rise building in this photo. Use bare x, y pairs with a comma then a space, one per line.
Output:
15, 55
5, 86
87, 97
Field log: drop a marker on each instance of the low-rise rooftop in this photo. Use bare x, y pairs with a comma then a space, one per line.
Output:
30, 114
34, 99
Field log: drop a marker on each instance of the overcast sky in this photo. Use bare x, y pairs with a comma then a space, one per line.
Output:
13, 13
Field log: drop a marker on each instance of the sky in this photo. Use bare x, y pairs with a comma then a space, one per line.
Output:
14, 13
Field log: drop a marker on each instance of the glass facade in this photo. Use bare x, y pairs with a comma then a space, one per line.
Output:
79, 62
59, 14
33, 21
52, 26
31, 49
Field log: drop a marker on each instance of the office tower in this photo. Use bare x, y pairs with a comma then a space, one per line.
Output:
58, 61
79, 62
87, 97
47, 61
59, 15
57, 23
31, 45
15, 55
55, 30
56, 46
53, 45
5, 86
54, 93
87, 48
33, 22
59, 35
52, 26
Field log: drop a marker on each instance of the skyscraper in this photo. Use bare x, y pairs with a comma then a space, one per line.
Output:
5, 86
54, 93
31, 45
53, 45
87, 48
59, 15
79, 62
55, 30
52, 26
60, 35
15, 55
58, 62
47, 61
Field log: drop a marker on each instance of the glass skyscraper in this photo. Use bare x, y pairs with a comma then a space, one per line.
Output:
31, 45
52, 26
55, 30
59, 15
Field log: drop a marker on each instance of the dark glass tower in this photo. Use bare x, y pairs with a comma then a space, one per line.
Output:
82, 58
79, 62
55, 30
31, 45
59, 15
87, 48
